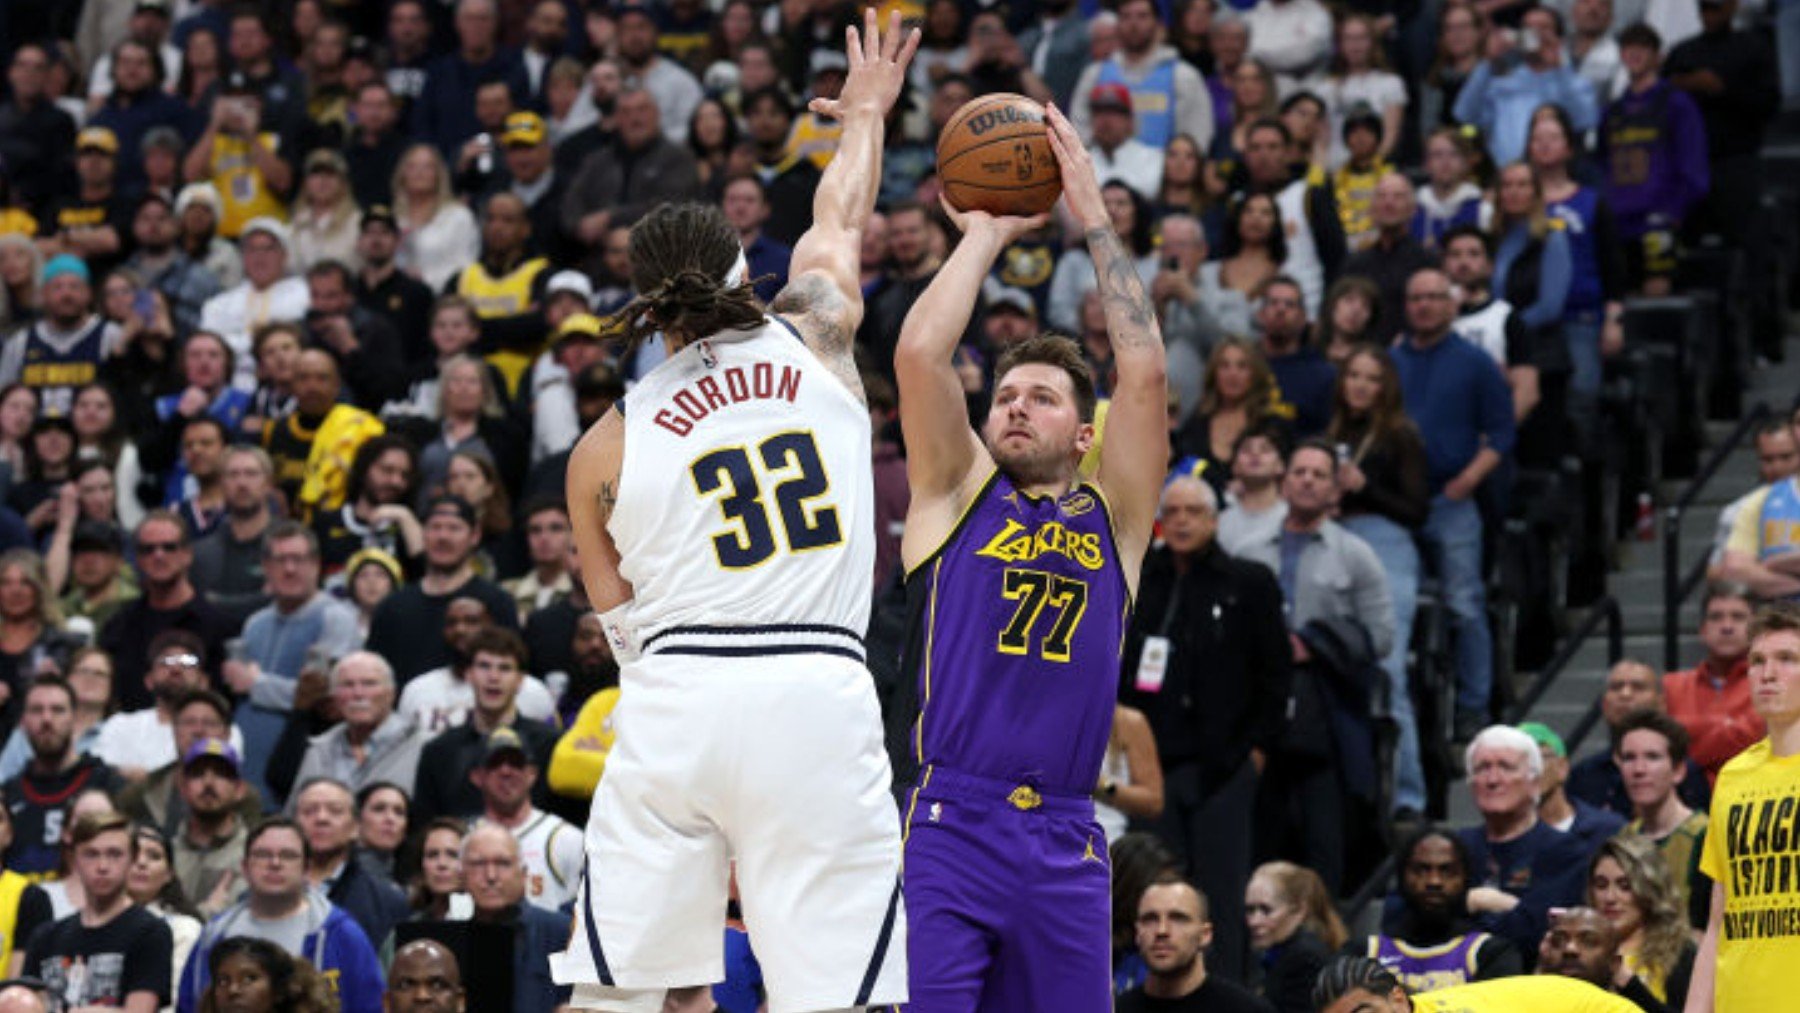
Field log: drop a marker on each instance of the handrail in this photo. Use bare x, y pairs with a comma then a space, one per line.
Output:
1605, 611
1677, 585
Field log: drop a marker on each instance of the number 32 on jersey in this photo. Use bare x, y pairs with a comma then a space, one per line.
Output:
788, 467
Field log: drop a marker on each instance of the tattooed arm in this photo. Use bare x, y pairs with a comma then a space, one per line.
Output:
1134, 447
593, 491
825, 296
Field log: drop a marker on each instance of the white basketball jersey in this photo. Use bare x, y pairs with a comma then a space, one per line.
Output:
551, 851
746, 495
1486, 329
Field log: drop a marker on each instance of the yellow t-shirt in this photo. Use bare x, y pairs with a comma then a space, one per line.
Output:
1753, 854
1544, 993
243, 192
580, 755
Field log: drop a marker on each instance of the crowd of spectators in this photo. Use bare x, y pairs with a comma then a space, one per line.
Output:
303, 305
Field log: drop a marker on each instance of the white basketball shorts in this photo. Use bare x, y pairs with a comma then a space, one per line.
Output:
776, 762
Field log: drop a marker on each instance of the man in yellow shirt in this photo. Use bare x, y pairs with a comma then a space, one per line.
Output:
1361, 985
1752, 942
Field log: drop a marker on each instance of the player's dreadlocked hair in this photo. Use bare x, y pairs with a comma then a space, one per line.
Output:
680, 255
1348, 974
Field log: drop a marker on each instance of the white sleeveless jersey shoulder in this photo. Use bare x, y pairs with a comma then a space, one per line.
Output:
746, 494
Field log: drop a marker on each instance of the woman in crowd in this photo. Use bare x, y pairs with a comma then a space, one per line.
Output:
49, 462
151, 882
1253, 97
369, 577
326, 218
20, 266
1359, 75
734, 28
943, 44
1238, 392
1255, 247
1131, 780
1462, 45
147, 338
381, 813
29, 621
1532, 271
1188, 31
257, 976
1596, 282
455, 328
469, 417
1183, 179
202, 65
1294, 929
439, 880
474, 477
1449, 196
100, 436
91, 495
438, 234
1629, 883
1132, 222
18, 410
1344, 320
1385, 500
1532, 259
712, 134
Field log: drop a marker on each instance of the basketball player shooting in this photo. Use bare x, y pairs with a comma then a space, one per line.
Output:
724, 513
1020, 575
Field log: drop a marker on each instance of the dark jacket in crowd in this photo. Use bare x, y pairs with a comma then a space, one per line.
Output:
443, 787
1225, 689
376, 904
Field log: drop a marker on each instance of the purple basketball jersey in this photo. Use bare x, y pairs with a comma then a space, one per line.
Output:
1429, 968
1020, 617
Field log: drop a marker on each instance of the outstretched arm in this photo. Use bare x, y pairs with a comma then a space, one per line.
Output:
1134, 449
825, 293
945, 459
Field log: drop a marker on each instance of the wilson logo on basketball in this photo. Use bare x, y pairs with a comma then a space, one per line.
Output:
997, 117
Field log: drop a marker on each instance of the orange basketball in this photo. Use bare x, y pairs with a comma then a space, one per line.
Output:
994, 155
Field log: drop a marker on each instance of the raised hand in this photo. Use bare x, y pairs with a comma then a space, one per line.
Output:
1006, 227
1081, 185
877, 68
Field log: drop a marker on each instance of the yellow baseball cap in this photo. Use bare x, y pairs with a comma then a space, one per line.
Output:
97, 139
525, 130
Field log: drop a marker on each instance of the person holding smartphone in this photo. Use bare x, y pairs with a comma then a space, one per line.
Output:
1524, 70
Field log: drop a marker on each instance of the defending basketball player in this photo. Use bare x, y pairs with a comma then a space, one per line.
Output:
1020, 574
724, 512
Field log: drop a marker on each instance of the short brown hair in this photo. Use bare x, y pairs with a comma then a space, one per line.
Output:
1060, 352
502, 641
1649, 719
1775, 617
94, 824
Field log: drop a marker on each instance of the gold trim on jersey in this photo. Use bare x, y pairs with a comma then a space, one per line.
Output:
962, 520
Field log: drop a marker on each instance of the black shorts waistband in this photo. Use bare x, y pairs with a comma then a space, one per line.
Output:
772, 640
